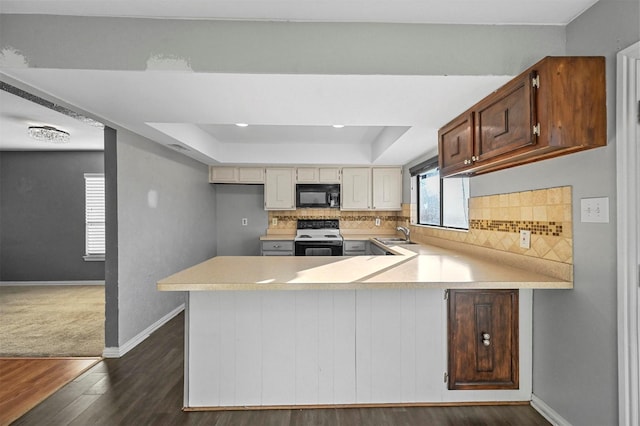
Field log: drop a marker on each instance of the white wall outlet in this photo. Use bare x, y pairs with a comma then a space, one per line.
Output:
525, 239
377, 221
274, 221
594, 210
245, 221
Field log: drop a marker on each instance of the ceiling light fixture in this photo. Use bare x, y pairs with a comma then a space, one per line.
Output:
242, 124
337, 126
49, 134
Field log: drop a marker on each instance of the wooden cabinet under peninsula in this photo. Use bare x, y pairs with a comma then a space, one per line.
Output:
483, 339
556, 107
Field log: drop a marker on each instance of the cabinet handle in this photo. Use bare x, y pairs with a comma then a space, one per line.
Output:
486, 339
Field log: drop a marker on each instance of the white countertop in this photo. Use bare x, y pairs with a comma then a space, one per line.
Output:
413, 266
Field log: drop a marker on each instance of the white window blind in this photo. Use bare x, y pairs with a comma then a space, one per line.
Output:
94, 215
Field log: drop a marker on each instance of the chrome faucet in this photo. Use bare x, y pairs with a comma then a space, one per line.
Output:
405, 231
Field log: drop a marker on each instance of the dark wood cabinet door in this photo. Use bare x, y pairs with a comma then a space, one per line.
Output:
483, 339
455, 142
505, 122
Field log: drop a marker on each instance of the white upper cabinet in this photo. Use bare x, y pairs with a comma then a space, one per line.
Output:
355, 192
250, 175
307, 175
279, 189
378, 188
329, 174
362, 188
236, 174
318, 175
223, 174
387, 188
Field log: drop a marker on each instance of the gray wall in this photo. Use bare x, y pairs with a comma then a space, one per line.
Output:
575, 346
278, 47
42, 204
234, 202
166, 222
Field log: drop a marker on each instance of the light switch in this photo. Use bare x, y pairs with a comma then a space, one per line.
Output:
594, 210
245, 221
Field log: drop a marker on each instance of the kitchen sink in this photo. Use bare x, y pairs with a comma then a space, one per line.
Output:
393, 241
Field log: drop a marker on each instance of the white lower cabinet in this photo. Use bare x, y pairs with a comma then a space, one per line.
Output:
277, 248
355, 248
260, 348
279, 189
376, 250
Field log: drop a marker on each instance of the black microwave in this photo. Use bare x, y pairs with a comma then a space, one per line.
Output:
320, 196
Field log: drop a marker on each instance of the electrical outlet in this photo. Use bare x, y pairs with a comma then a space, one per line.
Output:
594, 210
245, 221
377, 221
525, 239
274, 221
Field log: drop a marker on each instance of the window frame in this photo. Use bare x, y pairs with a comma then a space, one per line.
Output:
418, 171
94, 184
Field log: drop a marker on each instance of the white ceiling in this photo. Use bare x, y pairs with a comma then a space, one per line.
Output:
17, 114
389, 119
527, 12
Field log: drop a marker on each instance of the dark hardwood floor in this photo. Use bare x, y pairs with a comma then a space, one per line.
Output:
145, 388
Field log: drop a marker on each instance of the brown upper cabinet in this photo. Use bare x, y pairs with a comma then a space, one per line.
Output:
556, 107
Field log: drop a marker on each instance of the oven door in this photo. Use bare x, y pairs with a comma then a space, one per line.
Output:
318, 248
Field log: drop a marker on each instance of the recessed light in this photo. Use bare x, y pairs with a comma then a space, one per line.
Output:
242, 124
337, 126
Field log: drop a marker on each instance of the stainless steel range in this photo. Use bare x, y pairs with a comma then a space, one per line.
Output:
318, 238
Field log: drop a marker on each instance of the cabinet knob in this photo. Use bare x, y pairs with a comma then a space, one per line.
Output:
474, 158
466, 161
486, 339
276, 246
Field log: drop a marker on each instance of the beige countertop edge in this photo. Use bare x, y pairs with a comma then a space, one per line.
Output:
365, 286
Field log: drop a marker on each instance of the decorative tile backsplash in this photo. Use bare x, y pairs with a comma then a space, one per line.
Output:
536, 228
495, 222
349, 220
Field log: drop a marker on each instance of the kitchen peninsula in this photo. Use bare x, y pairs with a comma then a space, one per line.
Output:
301, 331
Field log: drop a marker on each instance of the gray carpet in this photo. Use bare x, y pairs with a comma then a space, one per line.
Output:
51, 321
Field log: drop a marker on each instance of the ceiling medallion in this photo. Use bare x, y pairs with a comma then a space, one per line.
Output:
49, 134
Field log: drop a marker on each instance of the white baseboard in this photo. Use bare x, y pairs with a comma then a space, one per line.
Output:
547, 412
117, 352
28, 283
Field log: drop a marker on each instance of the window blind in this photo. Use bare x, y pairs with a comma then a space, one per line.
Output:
424, 166
94, 214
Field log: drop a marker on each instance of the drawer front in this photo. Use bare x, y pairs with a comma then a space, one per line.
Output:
277, 253
355, 245
277, 246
